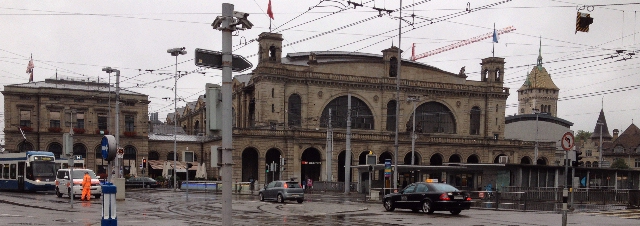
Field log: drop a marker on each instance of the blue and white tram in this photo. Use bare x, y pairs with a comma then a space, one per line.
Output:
27, 171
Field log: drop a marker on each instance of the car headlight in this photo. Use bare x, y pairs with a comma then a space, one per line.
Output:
38, 181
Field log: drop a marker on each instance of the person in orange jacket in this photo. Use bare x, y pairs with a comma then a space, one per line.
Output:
86, 187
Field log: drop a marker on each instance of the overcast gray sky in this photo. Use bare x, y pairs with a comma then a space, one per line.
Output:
78, 38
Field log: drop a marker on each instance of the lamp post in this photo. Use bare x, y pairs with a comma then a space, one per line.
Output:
413, 99
175, 52
600, 145
535, 152
117, 124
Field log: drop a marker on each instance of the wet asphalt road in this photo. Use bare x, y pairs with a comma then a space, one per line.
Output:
159, 207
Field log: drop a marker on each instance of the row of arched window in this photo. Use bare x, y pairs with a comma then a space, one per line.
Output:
430, 117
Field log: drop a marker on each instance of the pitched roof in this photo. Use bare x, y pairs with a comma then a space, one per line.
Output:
538, 78
605, 128
72, 83
630, 138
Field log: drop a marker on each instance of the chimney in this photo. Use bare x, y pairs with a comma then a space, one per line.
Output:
615, 134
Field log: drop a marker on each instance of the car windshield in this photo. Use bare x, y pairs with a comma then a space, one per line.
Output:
444, 188
79, 174
293, 185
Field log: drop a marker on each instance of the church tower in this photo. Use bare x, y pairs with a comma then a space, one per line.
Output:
270, 48
538, 91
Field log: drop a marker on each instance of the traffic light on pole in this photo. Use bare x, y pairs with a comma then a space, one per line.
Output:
144, 163
579, 161
583, 20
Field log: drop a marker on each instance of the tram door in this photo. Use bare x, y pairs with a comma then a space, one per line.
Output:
21, 167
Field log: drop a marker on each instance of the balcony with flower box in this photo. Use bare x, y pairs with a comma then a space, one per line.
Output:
55, 129
79, 130
26, 129
129, 133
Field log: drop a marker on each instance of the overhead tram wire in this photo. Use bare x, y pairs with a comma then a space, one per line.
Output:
439, 19
591, 94
345, 26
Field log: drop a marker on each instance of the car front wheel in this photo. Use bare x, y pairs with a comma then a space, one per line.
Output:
426, 207
388, 205
455, 212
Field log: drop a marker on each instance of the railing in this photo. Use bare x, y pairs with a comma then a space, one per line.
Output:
550, 199
331, 186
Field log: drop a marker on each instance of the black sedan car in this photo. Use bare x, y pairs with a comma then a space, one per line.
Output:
139, 182
428, 197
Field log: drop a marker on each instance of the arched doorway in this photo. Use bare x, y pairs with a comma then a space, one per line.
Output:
497, 159
56, 149
525, 160
249, 165
416, 158
542, 161
436, 160
341, 164
473, 159
80, 149
25, 146
311, 164
129, 159
381, 160
273, 157
362, 160
455, 158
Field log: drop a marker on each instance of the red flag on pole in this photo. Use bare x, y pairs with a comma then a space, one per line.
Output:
30, 69
269, 12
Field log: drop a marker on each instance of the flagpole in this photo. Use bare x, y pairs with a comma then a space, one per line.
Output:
493, 50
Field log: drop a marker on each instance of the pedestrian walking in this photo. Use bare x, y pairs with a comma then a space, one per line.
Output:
86, 187
309, 184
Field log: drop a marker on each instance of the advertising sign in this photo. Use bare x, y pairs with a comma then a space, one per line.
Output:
387, 168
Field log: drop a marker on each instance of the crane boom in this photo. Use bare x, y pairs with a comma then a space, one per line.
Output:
459, 44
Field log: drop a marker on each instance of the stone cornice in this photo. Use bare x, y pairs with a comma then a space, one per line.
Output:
362, 82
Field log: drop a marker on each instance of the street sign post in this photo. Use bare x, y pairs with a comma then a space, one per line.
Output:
213, 59
567, 141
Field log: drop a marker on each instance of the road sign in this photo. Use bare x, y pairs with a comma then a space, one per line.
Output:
567, 141
77, 157
387, 168
108, 146
213, 59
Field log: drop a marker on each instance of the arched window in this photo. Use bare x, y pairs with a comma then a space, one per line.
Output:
393, 67
170, 156
295, 110
80, 149
361, 116
25, 146
153, 155
391, 115
56, 148
497, 76
272, 53
434, 117
474, 122
196, 126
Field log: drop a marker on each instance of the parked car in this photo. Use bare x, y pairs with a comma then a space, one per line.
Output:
428, 197
63, 182
139, 182
281, 191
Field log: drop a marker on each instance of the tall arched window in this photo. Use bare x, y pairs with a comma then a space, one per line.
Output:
393, 67
56, 148
434, 117
391, 115
80, 149
361, 116
295, 110
474, 121
196, 127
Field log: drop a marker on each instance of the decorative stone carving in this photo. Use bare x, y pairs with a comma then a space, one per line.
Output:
319, 94
375, 98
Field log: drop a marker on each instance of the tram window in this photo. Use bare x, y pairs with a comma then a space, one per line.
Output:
13, 171
5, 171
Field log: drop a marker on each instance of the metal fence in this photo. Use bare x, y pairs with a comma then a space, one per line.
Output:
331, 186
550, 199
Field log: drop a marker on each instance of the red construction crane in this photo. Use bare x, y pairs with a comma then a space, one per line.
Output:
459, 44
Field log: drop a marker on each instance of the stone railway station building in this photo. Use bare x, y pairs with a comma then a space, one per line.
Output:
285, 108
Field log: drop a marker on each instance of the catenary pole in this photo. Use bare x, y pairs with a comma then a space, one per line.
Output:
395, 156
347, 156
227, 161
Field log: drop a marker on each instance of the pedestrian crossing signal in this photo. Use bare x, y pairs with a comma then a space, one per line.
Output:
583, 20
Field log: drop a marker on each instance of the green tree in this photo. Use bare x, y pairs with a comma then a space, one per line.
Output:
583, 135
619, 164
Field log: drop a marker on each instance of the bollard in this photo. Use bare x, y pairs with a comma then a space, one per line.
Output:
109, 217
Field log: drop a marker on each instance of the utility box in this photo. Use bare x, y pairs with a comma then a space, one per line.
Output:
119, 183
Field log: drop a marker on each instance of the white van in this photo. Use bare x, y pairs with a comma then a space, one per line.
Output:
62, 182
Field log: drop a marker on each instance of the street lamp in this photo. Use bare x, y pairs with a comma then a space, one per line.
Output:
175, 52
109, 70
600, 145
535, 152
413, 99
